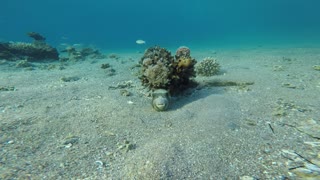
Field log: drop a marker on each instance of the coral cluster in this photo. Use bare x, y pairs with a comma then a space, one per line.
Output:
161, 70
208, 67
184, 68
157, 68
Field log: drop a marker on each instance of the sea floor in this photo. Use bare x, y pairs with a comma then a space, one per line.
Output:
85, 122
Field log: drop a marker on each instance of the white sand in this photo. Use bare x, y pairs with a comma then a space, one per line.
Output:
59, 130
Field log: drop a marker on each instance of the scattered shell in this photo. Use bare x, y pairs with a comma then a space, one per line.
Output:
124, 92
99, 164
109, 153
313, 144
68, 145
247, 178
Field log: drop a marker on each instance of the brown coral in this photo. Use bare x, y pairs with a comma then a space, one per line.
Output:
157, 75
156, 68
185, 63
182, 51
161, 70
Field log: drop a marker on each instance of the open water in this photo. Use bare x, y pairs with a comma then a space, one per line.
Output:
116, 24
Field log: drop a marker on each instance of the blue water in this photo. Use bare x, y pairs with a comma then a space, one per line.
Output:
118, 24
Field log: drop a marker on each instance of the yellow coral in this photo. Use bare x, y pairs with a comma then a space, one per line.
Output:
184, 62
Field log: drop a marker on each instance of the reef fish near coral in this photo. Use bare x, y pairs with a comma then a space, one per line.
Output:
160, 99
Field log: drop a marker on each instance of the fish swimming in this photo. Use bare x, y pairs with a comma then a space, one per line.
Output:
140, 41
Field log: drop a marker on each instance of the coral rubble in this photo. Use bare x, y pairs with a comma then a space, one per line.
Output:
161, 70
37, 51
75, 55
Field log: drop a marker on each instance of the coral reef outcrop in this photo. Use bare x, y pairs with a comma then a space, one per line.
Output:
165, 74
157, 68
38, 50
161, 70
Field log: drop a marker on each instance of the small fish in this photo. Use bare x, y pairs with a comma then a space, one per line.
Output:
64, 44
64, 37
139, 41
77, 45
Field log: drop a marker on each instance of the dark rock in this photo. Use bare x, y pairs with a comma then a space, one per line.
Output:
105, 66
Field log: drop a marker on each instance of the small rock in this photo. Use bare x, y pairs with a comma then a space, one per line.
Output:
124, 92
105, 66
71, 140
69, 79
99, 163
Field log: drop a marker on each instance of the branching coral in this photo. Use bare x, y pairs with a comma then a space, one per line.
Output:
208, 67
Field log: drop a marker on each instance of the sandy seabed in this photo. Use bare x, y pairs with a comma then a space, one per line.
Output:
86, 129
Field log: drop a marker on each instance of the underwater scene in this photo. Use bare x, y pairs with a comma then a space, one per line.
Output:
165, 89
